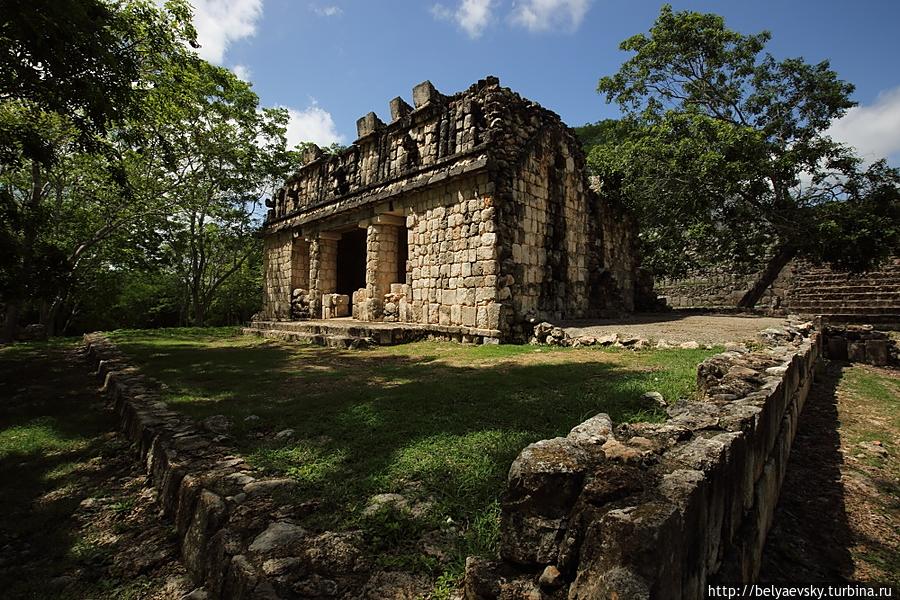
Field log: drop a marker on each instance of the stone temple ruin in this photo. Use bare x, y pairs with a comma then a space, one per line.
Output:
468, 215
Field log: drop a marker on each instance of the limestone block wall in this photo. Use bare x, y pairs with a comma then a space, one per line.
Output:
277, 271
720, 289
565, 253
452, 266
656, 510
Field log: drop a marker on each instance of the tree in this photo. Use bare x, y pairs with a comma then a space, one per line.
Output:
728, 158
169, 188
223, 154
82, 59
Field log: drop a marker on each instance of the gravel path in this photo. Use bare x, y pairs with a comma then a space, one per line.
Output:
674, 327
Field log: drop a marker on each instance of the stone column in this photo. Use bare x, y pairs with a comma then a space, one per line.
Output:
322, 268
300, 264
382, 243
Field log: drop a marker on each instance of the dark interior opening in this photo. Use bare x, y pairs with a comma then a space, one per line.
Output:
351, 262
402, 254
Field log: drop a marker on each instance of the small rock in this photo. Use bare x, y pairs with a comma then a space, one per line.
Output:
88, 503
692, 345
595, 430
380, 501
608, 340
551, 578
618, 451
284, 434
654, 398
280, 537
251, 418
739, 348
873, 448
663, 345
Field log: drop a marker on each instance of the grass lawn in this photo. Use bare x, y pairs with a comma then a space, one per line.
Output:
439, 423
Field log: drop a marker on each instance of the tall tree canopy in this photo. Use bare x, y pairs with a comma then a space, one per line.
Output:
155, 196
727, 157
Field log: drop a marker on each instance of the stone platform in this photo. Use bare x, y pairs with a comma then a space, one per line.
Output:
352, 333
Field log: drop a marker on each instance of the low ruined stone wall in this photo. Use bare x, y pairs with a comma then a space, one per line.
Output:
860, 343
720, 289
649, 510
237, 540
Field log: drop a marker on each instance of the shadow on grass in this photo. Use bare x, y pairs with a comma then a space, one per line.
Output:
439, 421
48, 427
812, 538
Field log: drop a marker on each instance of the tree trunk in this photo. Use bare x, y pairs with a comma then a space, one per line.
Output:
768, 276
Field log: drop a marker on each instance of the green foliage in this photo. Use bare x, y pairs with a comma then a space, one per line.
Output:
726, 158
153, 222
82, 59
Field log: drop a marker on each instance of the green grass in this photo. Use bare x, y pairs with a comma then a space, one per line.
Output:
49, 428
872, 412
436, 422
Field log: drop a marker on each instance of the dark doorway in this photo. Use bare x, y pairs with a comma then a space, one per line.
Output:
351, 262
402, 254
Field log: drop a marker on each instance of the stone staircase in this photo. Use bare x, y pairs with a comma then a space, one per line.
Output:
351, 333
818, 290
334, 333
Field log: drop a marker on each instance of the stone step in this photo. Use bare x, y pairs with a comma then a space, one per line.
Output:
827, 277
855, 296
844, 310
315, 339
843, 300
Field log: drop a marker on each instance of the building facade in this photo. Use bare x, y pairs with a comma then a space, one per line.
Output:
472, 211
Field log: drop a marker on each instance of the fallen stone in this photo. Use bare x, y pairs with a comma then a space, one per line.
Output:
608, 340
595, 430
279, 539
654, 398
689, 345
551, 578
284, 434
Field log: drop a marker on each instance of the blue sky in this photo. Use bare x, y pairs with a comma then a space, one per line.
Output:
332, 61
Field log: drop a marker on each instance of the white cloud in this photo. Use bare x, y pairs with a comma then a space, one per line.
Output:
472, 15
221, 22
874, 129
312, 124
327, 11
242, 72
545, 15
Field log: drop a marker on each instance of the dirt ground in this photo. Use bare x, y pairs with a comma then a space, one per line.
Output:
79, 520
838, 517
678, 327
